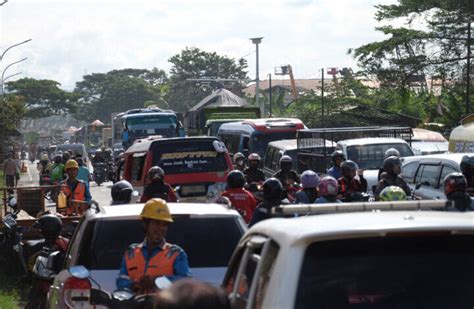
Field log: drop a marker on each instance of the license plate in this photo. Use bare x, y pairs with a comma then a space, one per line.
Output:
195, 189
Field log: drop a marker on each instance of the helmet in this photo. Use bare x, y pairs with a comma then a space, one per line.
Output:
392, 193
349, 168
121, 155
156, 209
338, 154
50, 226
392, 165
238, 156
58, 159
254, 157
71, 164
286, 162
272, 189
454, 182
44, 157
235, 179
328, 186
392, 152
79, 161
156, 172
121, 192
467, 164
309, 179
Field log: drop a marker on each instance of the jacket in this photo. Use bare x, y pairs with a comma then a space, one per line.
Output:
254, 175
243, 201
158, 190
387, 180
76, 190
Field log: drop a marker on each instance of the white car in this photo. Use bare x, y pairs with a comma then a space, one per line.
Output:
208, 233
378, 259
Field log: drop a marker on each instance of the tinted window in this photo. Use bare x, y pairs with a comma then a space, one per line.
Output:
409, 170
399, 272
164, 125
138, 163
188, 156
259, 141
429, 176
208, 242
372, 156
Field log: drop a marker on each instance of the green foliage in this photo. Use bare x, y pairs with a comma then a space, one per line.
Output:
193, 63
12, 111
42, 97
116, 91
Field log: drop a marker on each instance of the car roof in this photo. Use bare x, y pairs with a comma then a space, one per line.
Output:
202, 209
456, 157
347, 225
146, 114
372, 140
145, 143
286, 144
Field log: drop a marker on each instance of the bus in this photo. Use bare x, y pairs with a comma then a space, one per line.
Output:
145, 122
253, 135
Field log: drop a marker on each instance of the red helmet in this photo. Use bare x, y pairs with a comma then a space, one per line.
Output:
328, 186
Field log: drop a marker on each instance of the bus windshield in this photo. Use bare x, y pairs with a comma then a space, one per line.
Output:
187, 156
146, 125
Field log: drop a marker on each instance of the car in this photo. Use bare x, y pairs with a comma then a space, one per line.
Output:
208, 233
428, 173
425, 142
415, 259
276, 150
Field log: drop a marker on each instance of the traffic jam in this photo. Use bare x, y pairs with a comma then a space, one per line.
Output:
262, 213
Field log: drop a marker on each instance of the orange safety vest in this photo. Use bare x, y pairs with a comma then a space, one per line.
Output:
161, 264
79, 194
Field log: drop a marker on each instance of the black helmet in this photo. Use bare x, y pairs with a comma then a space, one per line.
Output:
349, 169
454, 182
50, 226
272, 190
467, 165
286, 163
121, 192
58, 159
391, 163
235, 179
338, 154
156, 172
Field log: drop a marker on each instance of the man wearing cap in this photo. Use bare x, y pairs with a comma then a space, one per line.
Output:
73, 188
154, 257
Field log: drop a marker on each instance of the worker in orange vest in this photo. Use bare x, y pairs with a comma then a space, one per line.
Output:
76, 191
154, 257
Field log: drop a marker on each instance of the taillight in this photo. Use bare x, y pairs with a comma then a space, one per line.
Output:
77, 292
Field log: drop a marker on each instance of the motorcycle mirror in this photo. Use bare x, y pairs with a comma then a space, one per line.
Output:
122, 295
54, 261
79, 272
135, 193
162, 282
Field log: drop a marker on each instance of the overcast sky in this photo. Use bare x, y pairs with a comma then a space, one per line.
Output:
71, 38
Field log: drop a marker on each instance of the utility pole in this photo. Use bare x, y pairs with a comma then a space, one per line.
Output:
468, 75
322, 98
270, 92
257, 41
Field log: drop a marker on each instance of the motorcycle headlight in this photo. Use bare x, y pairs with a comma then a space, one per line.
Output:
122, 295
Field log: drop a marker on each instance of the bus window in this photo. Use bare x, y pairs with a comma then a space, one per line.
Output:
138, 163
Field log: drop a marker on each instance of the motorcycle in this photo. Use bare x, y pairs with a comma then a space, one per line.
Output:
100, 171
111, 171
12, 262
122, 298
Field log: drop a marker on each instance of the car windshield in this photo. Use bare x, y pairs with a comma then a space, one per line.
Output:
207, 241
370, 157
424, 271
188, 156
259, 141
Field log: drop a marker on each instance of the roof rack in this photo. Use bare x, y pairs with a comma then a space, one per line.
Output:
327, 208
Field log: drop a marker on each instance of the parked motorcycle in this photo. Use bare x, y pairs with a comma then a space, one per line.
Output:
118, 299
100, 172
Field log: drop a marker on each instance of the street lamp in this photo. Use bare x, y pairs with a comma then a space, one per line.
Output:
6, 68
257, 41
10, 47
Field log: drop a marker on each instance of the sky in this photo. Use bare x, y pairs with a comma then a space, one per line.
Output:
71, 38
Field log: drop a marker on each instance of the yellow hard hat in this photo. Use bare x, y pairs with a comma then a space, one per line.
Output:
71, 164
156, 209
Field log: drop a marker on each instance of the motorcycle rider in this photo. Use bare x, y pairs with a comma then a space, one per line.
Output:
73, 188
83, 174
119, 166
467, 168
286, 175
390, 152
154, 257
157, 188
349, 185
239, 161
242, 200
43, 165
121, 192
455, 186
272, 196
327, 189
98, 157
309, 193
392, 193
337, 158
57, 170
253, 173
391, 176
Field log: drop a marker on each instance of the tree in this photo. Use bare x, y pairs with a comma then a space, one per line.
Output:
12, 111
100, 94
193, 63
43, 97
436, 40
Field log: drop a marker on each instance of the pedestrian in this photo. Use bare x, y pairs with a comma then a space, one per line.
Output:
154, 257
10, 170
